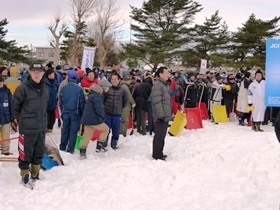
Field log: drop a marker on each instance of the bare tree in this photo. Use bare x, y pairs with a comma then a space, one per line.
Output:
106, 29
57, 29
81, 11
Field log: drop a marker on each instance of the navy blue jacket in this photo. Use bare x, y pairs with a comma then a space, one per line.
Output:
5, 105
72, 99
52, 93
94, 108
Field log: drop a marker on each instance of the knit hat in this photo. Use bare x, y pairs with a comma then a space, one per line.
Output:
1, 79
127, 78
218, 77
72, 74
104, 83
125, 73
238, 76
212, 76
191, 74
230, 76
247, 74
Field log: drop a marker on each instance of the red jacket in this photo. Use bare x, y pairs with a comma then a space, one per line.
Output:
87, 83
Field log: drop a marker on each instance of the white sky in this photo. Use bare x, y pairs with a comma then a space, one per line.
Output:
28, 19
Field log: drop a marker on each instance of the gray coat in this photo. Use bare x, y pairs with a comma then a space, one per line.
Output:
161, 101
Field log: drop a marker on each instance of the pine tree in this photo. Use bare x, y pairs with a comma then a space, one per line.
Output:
160, 28
9, 50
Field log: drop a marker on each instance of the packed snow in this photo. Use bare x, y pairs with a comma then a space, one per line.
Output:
219, 167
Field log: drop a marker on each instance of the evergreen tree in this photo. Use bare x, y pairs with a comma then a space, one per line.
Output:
248, 43
209, 42
160, 29
8, 49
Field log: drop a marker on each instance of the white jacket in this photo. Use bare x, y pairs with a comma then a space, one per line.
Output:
256, 97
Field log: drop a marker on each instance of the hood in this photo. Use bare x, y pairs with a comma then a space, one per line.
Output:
150, 80
96, 88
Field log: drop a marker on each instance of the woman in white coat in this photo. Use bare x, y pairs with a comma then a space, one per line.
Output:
242, 99
256, 99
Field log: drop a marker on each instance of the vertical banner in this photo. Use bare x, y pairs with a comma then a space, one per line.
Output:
203, 66
272, 73
88, 57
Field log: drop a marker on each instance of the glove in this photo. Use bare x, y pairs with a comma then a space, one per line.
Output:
160, 120
14, 125
250, 107
227, 87
133, 105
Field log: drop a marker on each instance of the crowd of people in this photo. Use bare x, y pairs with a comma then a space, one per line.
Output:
90, 99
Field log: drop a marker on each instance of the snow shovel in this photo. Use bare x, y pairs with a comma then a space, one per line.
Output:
132, 129
178, 124
95, 135
79, 140
219, 113
203, 110
193, 118
193, 114
232, 115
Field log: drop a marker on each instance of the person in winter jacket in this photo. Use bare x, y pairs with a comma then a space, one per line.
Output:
93, 118
71, 103
115, 100
215, 92
256, 100
29, 108
89, 80
51, 82
131, 103
190, 98
141, 95
230, 96
242, 100
5, 116
162, 112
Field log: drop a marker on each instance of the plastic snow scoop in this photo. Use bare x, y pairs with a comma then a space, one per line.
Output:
48, 163
178, 124
12, 86
79, 140
95, 135
203, 110
232, 115
219, 113
193, 118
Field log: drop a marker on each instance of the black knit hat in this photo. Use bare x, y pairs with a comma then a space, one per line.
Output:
218, 77
247, 74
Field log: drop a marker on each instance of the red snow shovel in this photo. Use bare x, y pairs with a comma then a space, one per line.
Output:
96, 134
194, 120
203, 110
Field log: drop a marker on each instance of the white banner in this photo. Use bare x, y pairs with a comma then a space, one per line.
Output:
88, 57
203, 66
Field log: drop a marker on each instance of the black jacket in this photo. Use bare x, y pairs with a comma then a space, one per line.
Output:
29, 106
141, 94
115, 100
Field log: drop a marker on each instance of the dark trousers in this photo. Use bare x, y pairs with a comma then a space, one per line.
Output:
51, 118
70, 128
114, 124
158, 142
151, 126
31, 149
141, 121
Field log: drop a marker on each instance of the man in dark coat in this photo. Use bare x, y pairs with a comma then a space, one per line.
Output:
29, 106
93, 118
162, 112
115, 100
141, 95
72, 103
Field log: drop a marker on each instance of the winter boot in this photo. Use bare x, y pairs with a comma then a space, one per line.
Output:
99, 145
114, 143
35, 169
83, 153
241, 122
258, 127
25, 176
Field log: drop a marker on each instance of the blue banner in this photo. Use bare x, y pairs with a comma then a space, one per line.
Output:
272, 73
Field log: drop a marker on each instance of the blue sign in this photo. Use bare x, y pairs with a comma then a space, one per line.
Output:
272, 73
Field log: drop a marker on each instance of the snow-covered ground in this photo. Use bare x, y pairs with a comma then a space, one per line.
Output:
219, 167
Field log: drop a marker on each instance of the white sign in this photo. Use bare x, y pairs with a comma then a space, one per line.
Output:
88, 57
203, 66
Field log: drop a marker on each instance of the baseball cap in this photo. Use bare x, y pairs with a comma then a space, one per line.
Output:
36, 67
